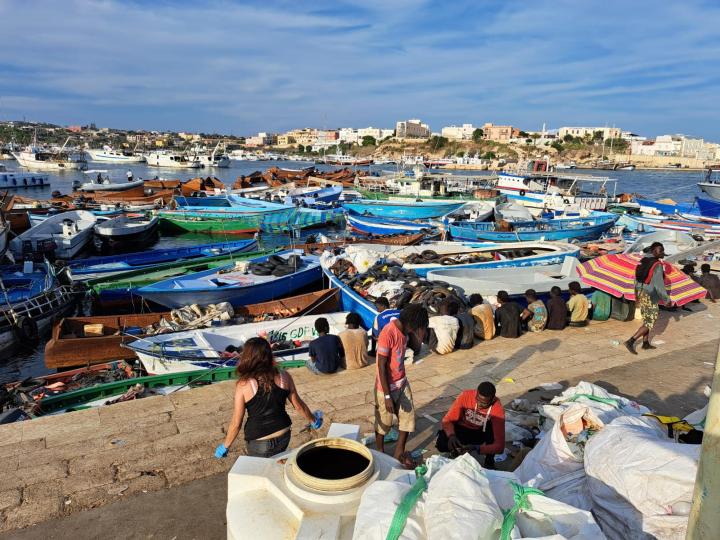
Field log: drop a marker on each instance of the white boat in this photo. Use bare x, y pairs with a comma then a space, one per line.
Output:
674, 242
711, 184
488, 281
104, 183
566, 165
66, 234
20, 179
172, 160
512, 212
40, 159
471, 211
125, 229
203, 348
107, 154
216, 158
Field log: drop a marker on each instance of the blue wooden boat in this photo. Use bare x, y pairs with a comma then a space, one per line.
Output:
233, 283
310, 196
402, 209
94, 267
229, 203
588, 228
382, 226
669, 209
708, 207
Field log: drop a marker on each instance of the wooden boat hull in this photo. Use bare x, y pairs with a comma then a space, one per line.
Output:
399, 240
382, 226
63, 352
402, 210
177, 222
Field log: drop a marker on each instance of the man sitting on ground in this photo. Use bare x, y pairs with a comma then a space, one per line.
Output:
444, 328
355, 342
535, 314
578, 305
484, 318
326, 351
476, 421
710, 281
557, 310
507, 316
466, 334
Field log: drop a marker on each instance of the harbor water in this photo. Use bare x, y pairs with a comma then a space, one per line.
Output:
678, 185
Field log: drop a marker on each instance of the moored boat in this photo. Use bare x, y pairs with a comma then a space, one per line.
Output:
582, 228
402, 209
178, 221
173, 160
125, 230
674, 242
96, 267
40, 159
107, 154
65, 234
260, 279
70, 345
20, 179
382, 226
203, 349
99, 182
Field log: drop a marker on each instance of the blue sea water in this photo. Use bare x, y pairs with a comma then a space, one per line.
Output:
678, 185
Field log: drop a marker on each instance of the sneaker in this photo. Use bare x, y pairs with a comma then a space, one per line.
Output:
646, 345
630, 346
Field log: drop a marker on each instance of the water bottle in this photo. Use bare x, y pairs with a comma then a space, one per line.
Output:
317, 424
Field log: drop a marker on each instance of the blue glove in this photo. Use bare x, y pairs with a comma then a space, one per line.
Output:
221, 451
317, 424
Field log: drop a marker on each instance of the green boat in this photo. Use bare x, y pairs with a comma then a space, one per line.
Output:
174, 221
118, 288
84, 398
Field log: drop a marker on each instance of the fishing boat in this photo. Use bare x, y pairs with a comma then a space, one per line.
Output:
178, 221
203, 349
125, 230
708, 207
582, 228
120, 289
512, 212
644, 225
96, 267
173, 160
99, 182
216, 158
556, 191
65, 234
33, 297
667, 207
383, 226
19, 179
95, 340
107, 154
195, 186
402, 209
488, 281
316, 248
304, 218
674, 242
239, 283
310, 196
39, 159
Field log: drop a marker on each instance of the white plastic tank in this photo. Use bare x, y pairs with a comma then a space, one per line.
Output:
307, 493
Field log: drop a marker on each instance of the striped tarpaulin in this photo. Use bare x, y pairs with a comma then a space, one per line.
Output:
615, 275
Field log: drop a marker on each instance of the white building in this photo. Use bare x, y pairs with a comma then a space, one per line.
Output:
377, 133
691, 148
412, 129
261, 139
460, 133
348, 135
668, 145
608, 133
642, 148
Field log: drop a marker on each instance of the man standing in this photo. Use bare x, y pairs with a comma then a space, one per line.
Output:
129, 175
476, 419
649, 291
393, 396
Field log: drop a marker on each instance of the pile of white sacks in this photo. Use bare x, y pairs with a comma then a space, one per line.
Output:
602, 470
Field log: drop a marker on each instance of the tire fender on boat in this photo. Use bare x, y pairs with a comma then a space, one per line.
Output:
522, 192
26, 329
566, 201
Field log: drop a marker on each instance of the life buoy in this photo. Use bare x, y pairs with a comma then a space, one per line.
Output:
522, 192
26, 329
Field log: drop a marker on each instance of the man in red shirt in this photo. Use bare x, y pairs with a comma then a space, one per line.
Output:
476, 421
392, 390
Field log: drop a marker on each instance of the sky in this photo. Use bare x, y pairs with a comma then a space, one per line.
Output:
651, 67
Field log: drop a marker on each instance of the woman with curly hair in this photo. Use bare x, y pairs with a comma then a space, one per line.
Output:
263, 390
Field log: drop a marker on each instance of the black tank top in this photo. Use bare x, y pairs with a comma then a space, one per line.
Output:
266, 412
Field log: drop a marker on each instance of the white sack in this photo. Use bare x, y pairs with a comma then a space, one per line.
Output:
640, 481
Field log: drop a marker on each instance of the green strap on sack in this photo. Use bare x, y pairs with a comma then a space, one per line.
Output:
520, 495
608, 401
407, 504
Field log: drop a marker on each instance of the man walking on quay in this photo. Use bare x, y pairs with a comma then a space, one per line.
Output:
649, 291
393, 396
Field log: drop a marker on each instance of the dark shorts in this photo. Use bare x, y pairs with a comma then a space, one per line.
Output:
469, 437
268, 447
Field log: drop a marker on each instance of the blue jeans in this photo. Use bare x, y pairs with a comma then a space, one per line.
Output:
268, 447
